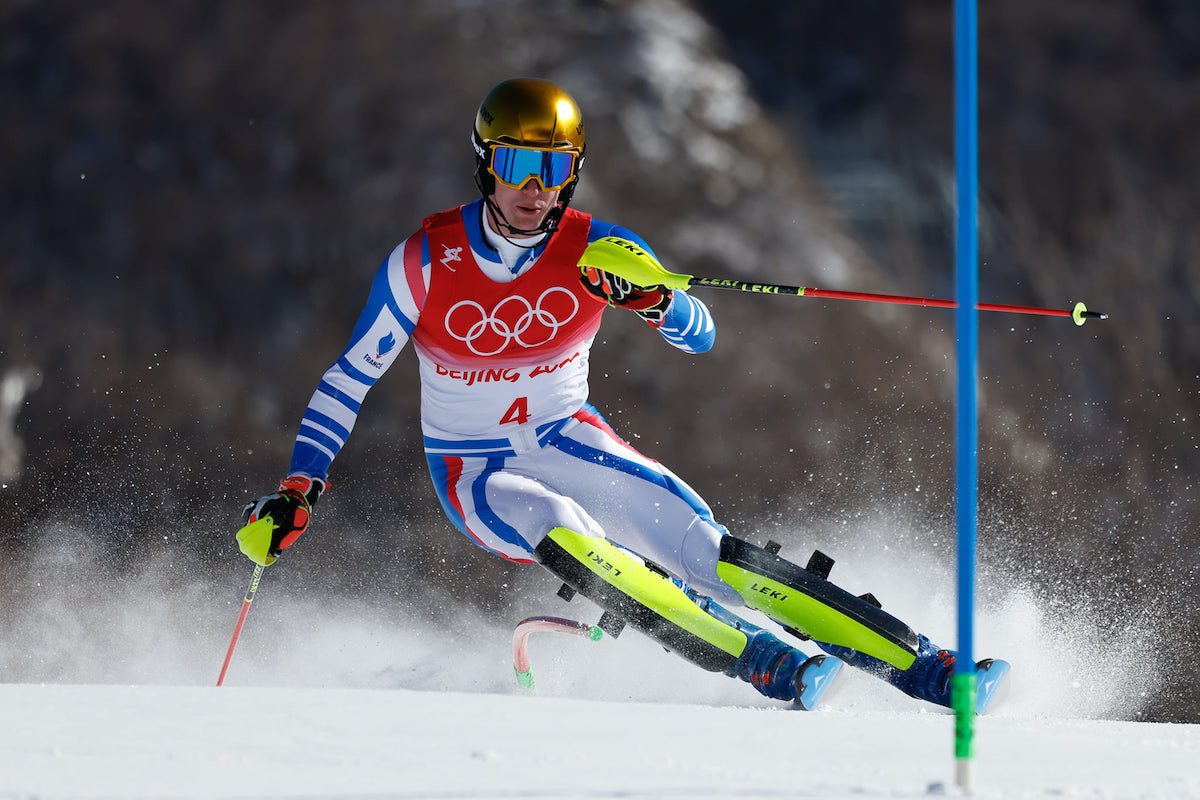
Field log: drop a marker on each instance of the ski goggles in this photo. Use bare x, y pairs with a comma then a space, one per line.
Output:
514, 166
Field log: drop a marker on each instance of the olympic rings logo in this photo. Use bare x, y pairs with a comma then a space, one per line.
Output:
513, 319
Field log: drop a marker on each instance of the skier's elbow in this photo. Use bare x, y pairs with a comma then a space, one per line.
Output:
703, 343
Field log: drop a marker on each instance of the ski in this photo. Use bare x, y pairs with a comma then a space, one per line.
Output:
989, 674
814, 678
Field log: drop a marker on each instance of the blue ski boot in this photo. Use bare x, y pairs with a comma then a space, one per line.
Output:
773, 667
929, 677
782, 672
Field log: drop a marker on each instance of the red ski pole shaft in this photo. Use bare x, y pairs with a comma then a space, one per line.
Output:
521, 644
1078, 312
237, 631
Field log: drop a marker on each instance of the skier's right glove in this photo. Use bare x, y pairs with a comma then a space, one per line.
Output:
274, 522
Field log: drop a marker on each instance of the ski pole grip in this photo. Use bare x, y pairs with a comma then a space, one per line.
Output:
627, 260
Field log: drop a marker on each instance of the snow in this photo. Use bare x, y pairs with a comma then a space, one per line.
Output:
77, 741
110, 693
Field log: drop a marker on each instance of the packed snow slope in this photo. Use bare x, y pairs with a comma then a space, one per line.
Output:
110, 693
254, 742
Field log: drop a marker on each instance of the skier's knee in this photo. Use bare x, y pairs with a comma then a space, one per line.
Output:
699, 553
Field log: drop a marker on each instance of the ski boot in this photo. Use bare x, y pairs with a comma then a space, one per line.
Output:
773, 667
782, 672
929, 677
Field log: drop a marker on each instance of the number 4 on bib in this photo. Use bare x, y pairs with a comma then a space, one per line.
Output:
518, 412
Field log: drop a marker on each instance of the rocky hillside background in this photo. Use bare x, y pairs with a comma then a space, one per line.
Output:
196, 194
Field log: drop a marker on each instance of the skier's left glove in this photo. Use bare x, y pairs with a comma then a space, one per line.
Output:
274, 522
650, 303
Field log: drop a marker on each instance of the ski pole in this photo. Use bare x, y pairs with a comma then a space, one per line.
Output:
521, 663
1079, 312
622, 257
237, 631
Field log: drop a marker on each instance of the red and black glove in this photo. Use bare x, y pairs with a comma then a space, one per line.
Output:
650, 303
290, 510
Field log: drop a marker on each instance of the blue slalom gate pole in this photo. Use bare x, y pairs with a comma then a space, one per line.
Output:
966, 77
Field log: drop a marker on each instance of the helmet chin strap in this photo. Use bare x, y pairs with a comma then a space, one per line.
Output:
548, 226
487, 186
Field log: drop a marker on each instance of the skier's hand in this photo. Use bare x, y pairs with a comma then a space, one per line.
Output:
650, 303
274, 522
618, 256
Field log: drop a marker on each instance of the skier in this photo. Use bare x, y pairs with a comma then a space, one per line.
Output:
502, 306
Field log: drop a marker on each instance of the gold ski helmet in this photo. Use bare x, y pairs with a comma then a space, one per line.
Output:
529, 129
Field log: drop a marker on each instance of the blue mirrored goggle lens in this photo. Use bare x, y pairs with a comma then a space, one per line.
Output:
516, 165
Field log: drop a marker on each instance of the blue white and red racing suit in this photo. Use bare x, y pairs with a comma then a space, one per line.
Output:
502, 335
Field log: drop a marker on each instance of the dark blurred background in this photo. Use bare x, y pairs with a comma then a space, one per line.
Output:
196, 195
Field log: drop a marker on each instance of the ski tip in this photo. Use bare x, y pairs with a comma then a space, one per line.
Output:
814, 679
989, 676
